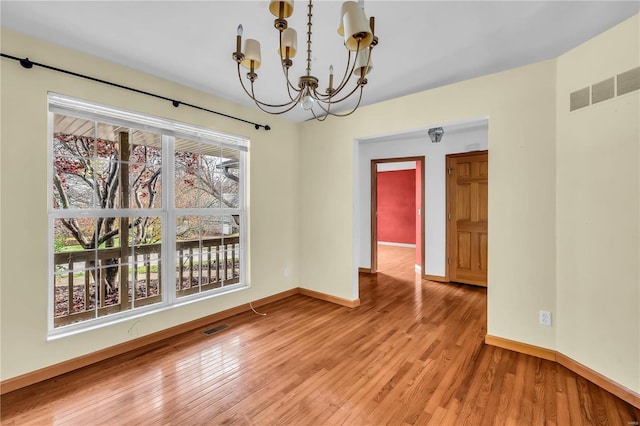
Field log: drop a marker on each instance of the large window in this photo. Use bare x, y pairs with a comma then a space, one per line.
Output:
145, 213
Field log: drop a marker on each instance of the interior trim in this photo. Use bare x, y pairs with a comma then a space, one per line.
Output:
524, 348
130, 347
436, 278
374, 206
329, 298
605, 383
598, 379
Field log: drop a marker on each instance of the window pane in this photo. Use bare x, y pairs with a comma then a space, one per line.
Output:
107, 177
187, 251
212, 243
114, 259
73, 234
81, 306
207, 253
209, 177
73, 151
146, 234
212, 240
108, 234
186, 170
109, 286
110, 156
231, 248
67, 125
145, 168
108, 141
231, 184
86, 164
146, 275
74, 269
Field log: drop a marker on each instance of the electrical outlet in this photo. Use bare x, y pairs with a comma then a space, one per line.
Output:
545, 318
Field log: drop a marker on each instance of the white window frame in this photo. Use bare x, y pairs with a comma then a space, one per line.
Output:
169, 130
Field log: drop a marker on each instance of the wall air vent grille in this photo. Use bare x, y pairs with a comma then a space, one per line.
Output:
579, 99
629, 81
603, 90
619, 85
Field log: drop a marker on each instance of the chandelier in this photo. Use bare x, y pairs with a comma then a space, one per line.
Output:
359, 41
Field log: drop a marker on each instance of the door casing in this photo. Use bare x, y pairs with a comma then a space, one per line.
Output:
374, 208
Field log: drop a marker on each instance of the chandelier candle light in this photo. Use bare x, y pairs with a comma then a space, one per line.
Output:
359, 41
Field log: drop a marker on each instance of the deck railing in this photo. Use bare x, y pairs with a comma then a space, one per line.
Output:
201, 265
214, 265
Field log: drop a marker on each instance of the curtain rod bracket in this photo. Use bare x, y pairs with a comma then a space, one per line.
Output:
26, 63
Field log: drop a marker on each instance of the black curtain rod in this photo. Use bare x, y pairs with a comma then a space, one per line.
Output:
26, 63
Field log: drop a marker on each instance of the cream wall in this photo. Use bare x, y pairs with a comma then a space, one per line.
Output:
23, 196
520, 106
598, 198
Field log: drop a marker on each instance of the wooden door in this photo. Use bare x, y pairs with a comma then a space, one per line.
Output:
467, 197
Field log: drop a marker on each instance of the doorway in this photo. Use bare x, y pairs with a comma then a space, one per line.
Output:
467, 217
420, 235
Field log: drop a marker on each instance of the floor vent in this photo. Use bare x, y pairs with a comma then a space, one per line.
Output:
215, 329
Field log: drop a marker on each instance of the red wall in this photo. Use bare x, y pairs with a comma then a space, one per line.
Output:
397, 206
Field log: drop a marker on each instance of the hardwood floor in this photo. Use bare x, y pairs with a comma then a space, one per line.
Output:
412, 353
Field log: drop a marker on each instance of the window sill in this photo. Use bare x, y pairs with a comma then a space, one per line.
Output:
113, 319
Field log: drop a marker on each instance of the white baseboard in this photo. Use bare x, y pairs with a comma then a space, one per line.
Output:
385, 243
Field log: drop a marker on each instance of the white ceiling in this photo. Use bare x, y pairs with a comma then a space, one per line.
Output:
423, 44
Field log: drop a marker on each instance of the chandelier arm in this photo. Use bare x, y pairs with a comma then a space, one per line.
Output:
324, 117
346, 114
289, 85
348, 72
327, 97
253, 98
285, 70
293, 105
327, 110
347, 76
345, 79
289, 105
329, 101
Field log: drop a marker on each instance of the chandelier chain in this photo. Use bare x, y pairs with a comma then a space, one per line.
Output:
309, 32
